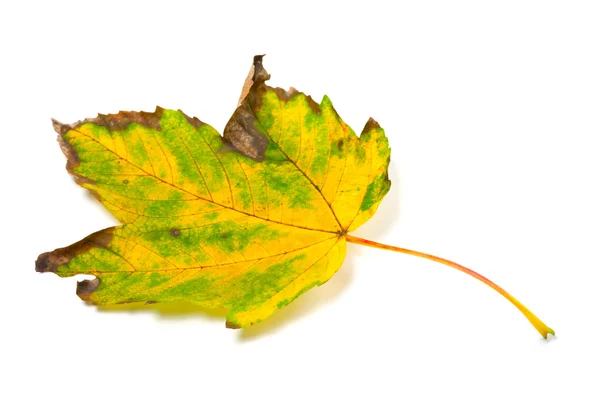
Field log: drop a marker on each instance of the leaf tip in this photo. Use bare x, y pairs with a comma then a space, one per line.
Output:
232, 325
50, 261
326, 102
369, 126
86, 287
372, 124
60, 127
260, 74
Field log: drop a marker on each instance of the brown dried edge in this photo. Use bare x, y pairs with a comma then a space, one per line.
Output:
52, 260
243, 133
113, 122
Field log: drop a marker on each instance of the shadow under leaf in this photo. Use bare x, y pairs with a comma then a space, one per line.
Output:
301, 307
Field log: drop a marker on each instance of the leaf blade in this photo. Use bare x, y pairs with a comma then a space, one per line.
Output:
247, 222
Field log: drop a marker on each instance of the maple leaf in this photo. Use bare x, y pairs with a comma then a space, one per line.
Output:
246, 222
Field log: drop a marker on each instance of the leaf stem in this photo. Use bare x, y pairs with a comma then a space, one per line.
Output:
542, 328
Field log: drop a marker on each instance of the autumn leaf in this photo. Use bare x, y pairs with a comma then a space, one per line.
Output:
245, 222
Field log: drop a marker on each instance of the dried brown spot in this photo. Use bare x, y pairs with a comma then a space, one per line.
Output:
242, 133
67, 149
60, 128
80, 180
257, 75
195, 122
50, 261
114, 122
369, 126
291, 93
125, 182
86, 287
340, 144
313, 105
284, 95
123, 119
175, 232
260, 74
231, 325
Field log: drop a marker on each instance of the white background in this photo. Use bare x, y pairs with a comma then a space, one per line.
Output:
492, 112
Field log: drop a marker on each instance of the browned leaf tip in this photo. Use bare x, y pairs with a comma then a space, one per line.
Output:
260, 74
257, 74
231, 325
369, 126
241, 131
59, 127
51, 261
86, 287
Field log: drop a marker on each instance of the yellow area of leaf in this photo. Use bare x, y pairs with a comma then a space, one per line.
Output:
207, 224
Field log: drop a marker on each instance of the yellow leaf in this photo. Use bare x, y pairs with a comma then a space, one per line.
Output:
246, 222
